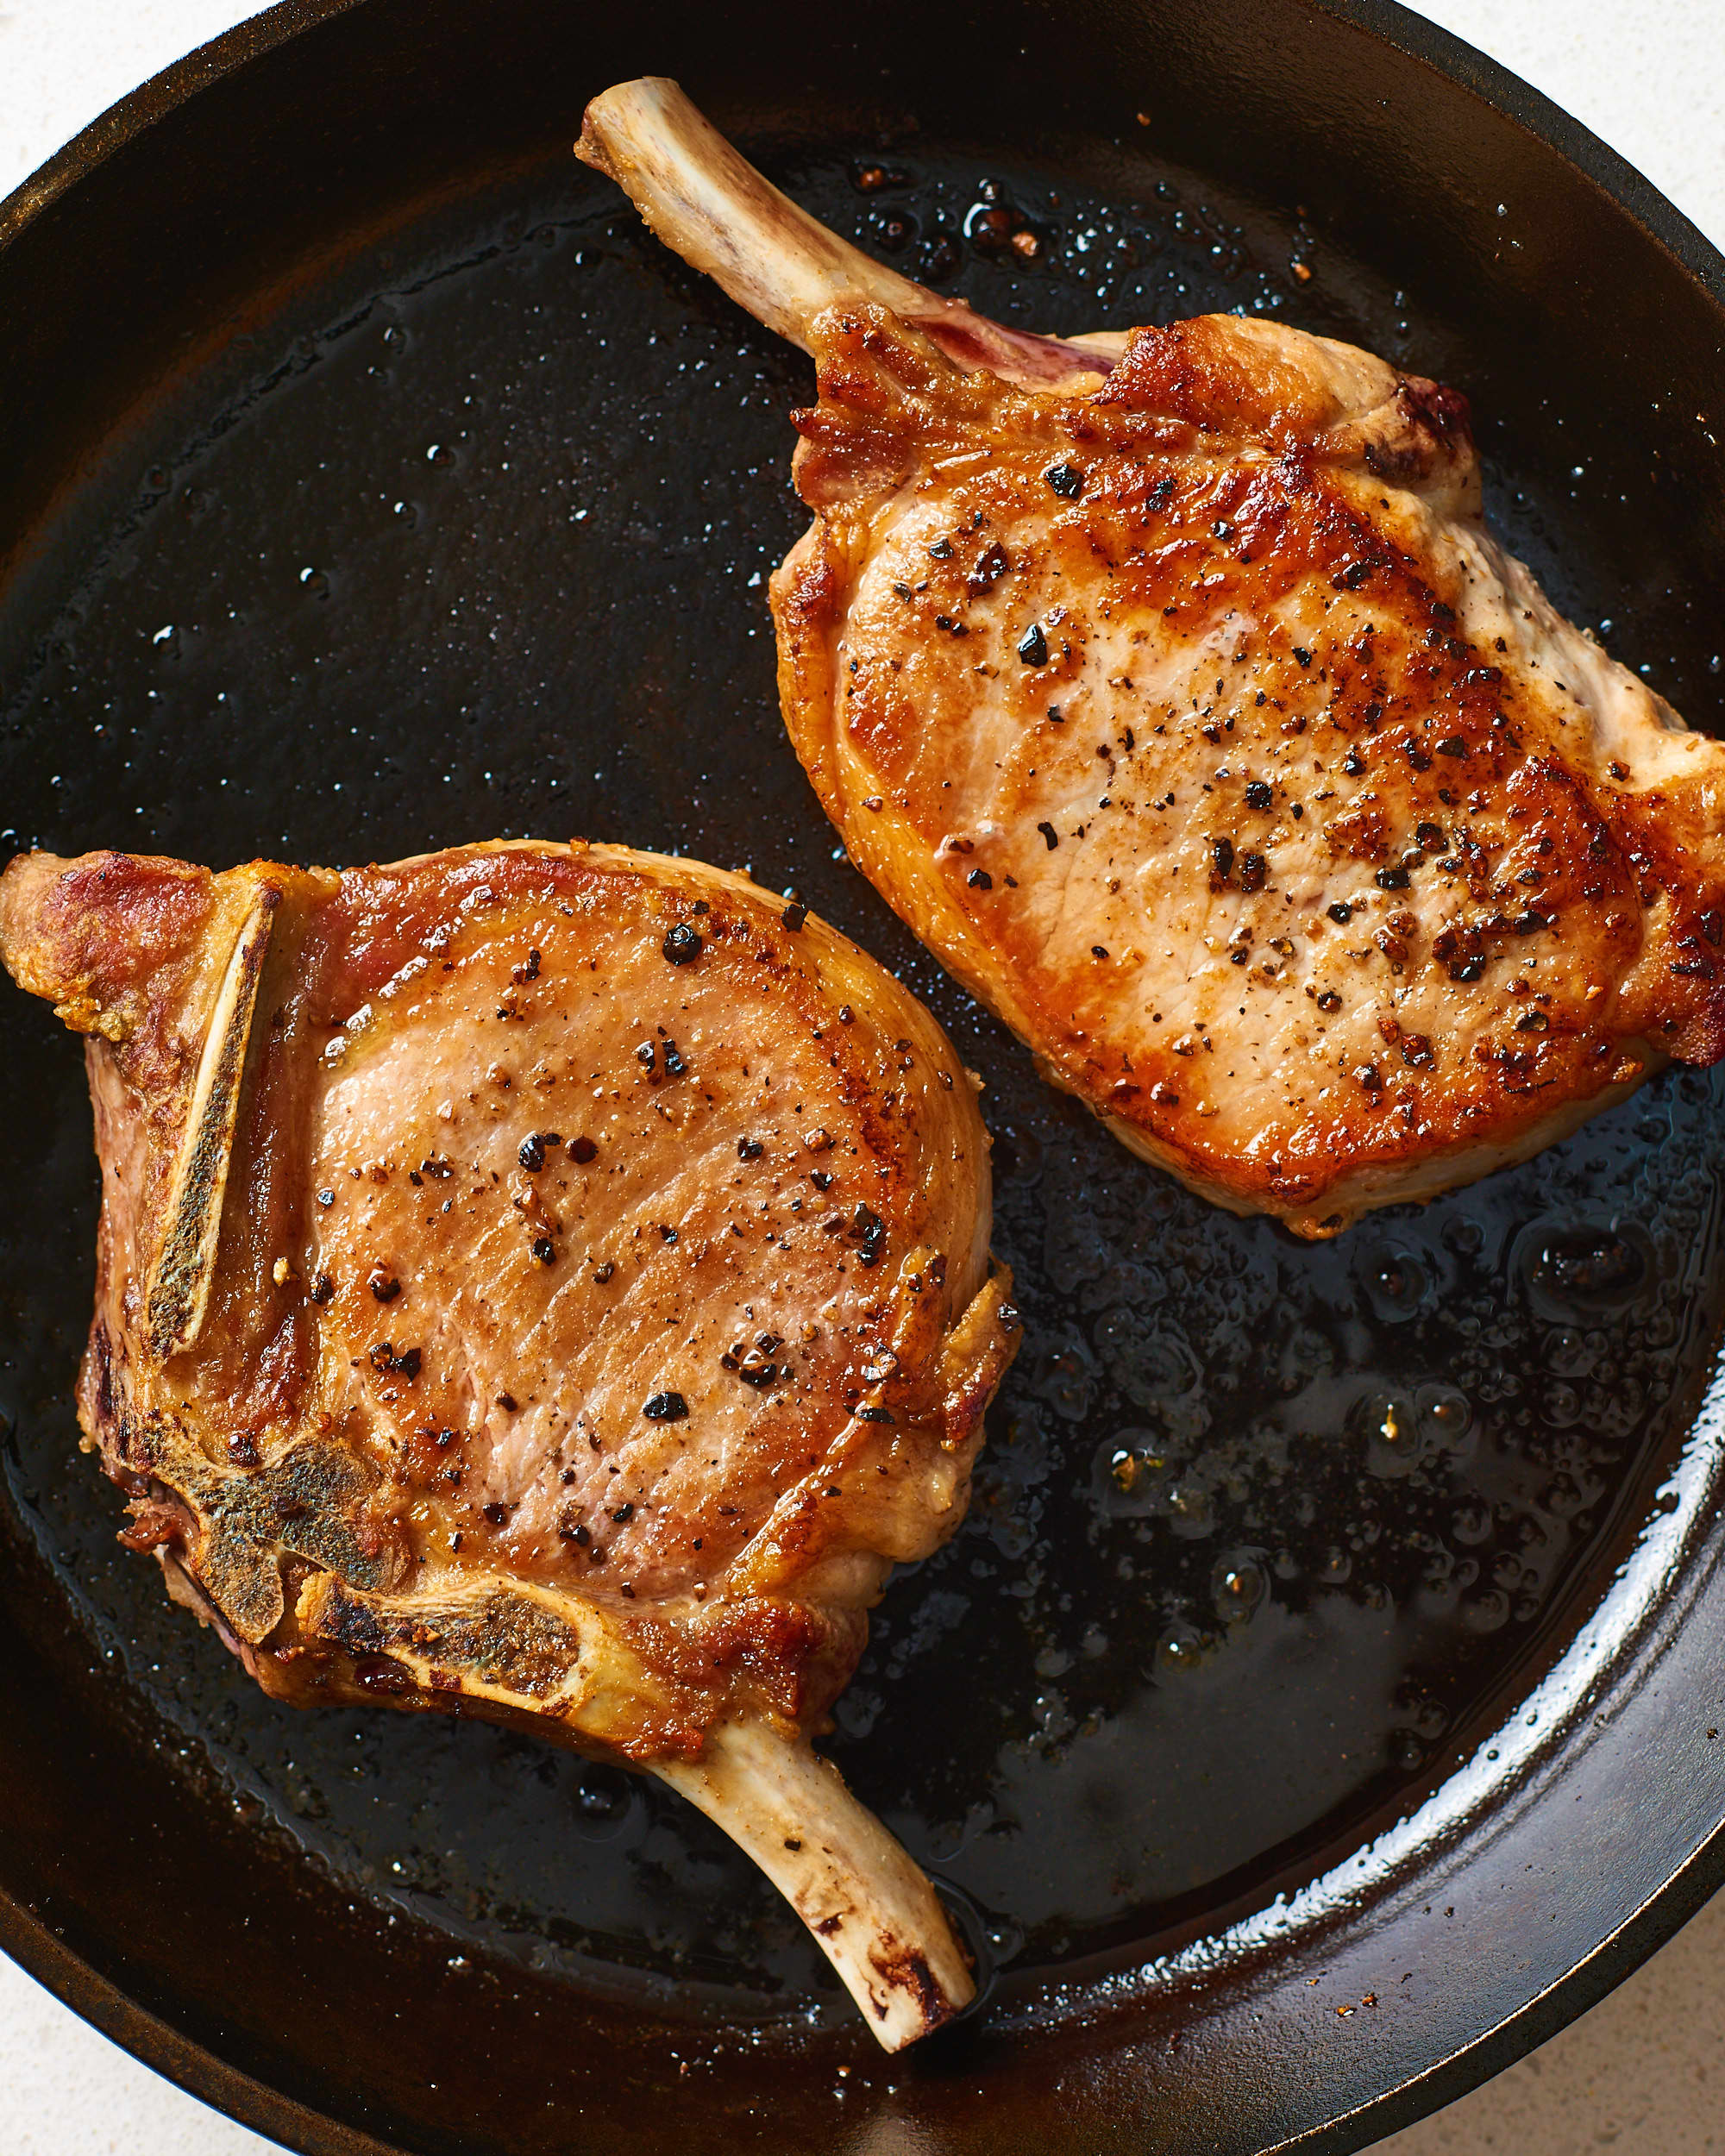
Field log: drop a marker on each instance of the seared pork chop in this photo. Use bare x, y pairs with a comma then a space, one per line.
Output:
546, 1282
1172, 689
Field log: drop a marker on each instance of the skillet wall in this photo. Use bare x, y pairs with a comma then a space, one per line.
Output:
146, 265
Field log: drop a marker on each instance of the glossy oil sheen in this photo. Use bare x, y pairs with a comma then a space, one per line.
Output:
458, 526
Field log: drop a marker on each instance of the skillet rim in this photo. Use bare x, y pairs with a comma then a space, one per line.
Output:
200, 2071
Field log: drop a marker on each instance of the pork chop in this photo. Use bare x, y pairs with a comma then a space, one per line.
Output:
546, 1282
1172, 687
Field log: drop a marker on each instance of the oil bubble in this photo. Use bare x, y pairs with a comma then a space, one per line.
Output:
1406, 1752
1446, 1422
1397, 1282
1464, 1236
1583, 1269
1485, 1611
1238, 1585
1191, 1511
1131, 1474
1389, 1423
605, 1802
1180, 1649
1471, 1522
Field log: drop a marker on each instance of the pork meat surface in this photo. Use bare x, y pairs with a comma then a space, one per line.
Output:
1172, 687
548, 1282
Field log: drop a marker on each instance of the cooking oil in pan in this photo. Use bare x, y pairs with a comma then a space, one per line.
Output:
470, 541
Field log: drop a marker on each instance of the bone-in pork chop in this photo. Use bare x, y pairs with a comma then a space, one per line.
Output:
549, 1282
1172, 687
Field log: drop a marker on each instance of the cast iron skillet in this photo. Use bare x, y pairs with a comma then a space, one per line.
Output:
369, 481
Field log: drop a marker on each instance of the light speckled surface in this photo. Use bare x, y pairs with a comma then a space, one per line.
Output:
1636, 2071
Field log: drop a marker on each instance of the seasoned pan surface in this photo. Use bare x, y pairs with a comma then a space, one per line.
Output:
1310, 1595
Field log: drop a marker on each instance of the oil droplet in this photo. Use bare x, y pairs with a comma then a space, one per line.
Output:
1390, 1425
1583, 1269
1180, 1649
1191, 1511
1131, 1474
1238, 1585
1396, 1283
1407, 1753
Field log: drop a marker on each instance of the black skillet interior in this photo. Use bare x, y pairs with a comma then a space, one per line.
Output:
374, 482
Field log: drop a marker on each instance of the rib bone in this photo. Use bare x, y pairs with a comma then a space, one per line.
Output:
178, 1288
874, 1914
712, 208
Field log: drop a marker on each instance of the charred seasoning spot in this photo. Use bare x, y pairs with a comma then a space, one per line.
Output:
980, 880
750, 1149
1033, 646
1050, 835
682, 944
1065, 478
665, 1408
794, 915
322, 1288
867, 1233
544, 1249
992, 565
382, 1283
1253, 868
384, 1359
582, 1149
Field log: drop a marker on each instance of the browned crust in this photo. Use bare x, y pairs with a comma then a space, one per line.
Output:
1630, 883
280, 1530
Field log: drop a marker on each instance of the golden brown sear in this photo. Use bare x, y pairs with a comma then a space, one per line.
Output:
1171, 686
544, 1282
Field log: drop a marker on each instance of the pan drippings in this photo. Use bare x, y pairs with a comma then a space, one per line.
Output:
471, 542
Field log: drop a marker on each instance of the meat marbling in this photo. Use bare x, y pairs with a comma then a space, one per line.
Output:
549, 1282
1172, 688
